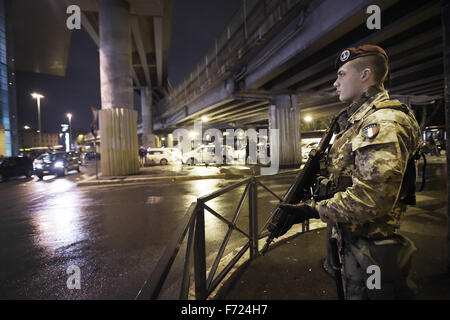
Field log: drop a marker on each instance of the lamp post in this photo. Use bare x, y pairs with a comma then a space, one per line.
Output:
69, 116
38, 97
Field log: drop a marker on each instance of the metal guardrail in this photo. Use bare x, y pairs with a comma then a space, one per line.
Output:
193, 224
248, 28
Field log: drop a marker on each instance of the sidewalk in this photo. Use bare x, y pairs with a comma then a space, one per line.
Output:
292, 271
158, 173
177, 172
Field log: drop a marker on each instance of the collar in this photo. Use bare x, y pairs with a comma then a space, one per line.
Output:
363, 104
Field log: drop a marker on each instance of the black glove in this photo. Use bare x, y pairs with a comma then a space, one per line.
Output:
295, 214
301, 212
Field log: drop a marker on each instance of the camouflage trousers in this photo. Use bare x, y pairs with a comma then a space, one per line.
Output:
377, 269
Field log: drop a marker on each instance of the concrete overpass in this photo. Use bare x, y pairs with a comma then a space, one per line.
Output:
275, 63
133, 38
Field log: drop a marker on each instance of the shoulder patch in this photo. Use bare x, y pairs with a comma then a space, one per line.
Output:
370, 131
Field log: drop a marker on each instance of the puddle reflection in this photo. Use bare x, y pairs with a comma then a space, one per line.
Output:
57, 216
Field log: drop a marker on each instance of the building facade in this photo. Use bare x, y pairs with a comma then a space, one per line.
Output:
8, 110
30, 139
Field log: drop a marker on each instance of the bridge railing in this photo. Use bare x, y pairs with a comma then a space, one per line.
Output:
249, 27
193, 225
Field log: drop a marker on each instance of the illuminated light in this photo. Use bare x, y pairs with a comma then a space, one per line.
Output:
67, 142
26, 127
192, 134
205, 119
36, 95
308, 118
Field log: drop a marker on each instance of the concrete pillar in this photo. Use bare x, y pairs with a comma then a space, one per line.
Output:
148, 139
119, 141
157, 140
170, 140
446, 55
285, 117
118, 120
115, 55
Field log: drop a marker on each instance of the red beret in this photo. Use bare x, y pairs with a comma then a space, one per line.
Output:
357, 52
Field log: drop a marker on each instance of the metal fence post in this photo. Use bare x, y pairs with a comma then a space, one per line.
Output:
253, 218
200, 254
245, 20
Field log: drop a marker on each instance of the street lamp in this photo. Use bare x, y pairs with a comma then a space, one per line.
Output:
308, 118
69, 116
38, 97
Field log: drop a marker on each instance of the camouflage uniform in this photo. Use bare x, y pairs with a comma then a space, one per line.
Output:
370, 155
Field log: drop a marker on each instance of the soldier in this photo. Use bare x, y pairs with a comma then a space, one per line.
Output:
371, 173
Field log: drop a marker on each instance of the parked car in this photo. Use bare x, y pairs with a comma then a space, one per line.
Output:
16, 167
175, 152
77, 156
160, 156
56, 163
91, 156
206, 154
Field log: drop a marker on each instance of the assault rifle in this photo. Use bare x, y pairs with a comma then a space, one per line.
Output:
303, 186
302, 190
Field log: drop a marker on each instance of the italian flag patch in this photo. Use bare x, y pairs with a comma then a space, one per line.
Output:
370, 131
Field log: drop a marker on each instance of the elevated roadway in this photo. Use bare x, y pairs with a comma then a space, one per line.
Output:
274, 48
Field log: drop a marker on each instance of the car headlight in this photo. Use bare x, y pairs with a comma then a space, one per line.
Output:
59, 164
38, 165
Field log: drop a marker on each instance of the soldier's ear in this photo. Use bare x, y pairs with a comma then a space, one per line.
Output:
365, 74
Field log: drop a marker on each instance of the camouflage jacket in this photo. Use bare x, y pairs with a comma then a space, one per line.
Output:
372, 150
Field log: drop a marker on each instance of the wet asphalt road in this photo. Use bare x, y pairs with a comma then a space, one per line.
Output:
114, 234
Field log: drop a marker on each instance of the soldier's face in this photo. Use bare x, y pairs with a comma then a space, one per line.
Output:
348, 83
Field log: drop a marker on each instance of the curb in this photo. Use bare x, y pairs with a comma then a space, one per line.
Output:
90, 182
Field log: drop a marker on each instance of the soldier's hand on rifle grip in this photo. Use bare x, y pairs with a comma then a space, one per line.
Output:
296, 213
301, 211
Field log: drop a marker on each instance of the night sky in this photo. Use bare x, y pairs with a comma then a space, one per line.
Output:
195, 26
